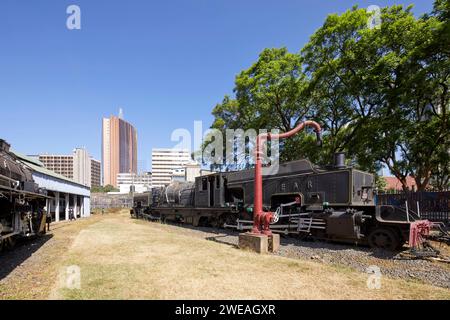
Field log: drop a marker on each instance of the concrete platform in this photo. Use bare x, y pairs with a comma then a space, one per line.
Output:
255, 242
259, 243
274, 242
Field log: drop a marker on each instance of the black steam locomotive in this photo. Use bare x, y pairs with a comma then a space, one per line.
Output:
22, 203
334, 203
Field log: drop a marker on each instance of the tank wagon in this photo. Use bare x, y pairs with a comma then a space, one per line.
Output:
22, 202
334, 203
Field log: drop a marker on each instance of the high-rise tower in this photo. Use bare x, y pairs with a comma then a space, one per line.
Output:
119, 149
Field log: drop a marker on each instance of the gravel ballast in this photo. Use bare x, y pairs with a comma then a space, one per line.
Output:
358, 258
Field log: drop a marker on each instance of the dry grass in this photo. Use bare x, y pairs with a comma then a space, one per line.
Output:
122, 258
443, 248
34, 277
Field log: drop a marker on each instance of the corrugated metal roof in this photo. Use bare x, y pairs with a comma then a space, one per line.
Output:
38, 166
27, 158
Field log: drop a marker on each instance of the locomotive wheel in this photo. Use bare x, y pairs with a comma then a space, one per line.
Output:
384, 238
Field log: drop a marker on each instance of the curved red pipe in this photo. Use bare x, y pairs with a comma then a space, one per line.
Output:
259, 216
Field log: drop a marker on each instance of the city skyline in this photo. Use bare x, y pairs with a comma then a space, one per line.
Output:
166, 64
151, 61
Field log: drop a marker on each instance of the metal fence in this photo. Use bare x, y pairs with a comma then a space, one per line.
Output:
434, 206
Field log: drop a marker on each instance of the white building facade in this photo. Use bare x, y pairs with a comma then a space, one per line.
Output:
131, 182
193, 170
164, 162
189, 172
179, 175
82, 167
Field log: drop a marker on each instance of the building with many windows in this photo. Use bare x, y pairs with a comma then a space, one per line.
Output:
65, 196
78, 166
119, 149
61, 164
96, 173
164, 162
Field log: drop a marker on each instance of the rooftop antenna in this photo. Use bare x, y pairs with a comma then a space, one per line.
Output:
120, 113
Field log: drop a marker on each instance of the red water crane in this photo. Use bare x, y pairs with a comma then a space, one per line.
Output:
261, 219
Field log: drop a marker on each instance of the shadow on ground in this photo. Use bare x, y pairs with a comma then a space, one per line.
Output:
24, 249
222, 240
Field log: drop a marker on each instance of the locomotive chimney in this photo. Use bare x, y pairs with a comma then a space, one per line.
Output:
4, 146
339, 160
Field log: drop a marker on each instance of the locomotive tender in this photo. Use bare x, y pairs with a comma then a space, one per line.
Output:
334, 203
22, 202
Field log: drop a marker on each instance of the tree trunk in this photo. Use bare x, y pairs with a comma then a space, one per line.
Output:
422, 184
403, 181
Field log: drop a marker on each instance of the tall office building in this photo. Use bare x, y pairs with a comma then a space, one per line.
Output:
79, 166
119, 149
96, 173
164, 162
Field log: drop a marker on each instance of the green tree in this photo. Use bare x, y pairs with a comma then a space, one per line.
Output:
380, 183
381, 94
389, 77
440, 178
438, 69
269, 95
105, 189
270, 92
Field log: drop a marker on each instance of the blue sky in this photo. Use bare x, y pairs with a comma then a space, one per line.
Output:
166, 63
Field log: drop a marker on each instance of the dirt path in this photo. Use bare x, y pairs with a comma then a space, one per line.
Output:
121, 258
30, 270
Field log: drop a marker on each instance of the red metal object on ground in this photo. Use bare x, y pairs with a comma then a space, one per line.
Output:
261, 219
418, 231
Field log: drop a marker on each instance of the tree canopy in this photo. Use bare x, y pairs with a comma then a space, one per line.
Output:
105, 189
381, 93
